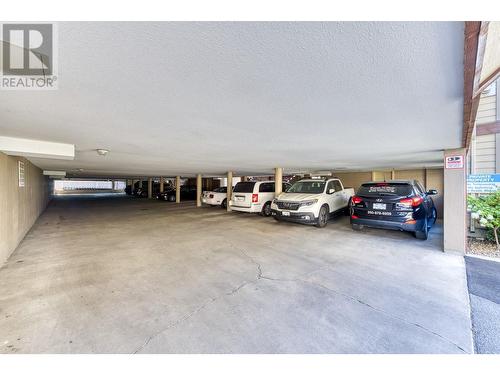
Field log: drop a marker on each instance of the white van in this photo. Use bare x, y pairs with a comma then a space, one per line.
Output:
254, 196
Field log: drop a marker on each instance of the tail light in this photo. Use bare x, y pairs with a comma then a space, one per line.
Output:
255, 198
356, 200
354, 217
211, 195
411, 202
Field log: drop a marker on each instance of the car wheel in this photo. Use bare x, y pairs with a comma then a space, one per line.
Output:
423, 234
322, 217
266, 210
224, 204
347, 210
356, 227
433, 217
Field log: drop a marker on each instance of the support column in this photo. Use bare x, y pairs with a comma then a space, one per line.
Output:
229, 189
455, 206
278, 181
178, 189
393, 174
150, 188
162, 184
198, 190
244, 178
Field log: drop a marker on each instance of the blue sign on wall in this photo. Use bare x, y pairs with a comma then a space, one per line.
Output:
483, 183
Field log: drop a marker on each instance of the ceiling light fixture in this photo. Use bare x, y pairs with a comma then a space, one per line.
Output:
102, 151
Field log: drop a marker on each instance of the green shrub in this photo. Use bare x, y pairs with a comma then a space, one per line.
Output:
486, 209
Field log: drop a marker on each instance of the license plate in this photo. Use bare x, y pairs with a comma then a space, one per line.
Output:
379, 206
381, 213
285, 213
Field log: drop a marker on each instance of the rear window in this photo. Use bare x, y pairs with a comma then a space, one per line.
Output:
244, 187
221, 190
267, 187
385, 189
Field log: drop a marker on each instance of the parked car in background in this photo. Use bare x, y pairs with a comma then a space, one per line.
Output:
142, 190
216, 197
254, 196
312, 201
401, 204
188, 193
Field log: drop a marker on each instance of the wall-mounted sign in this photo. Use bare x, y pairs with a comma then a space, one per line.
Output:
20, 165
454, 162
483, 183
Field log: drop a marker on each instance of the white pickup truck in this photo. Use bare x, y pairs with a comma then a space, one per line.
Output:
312, 201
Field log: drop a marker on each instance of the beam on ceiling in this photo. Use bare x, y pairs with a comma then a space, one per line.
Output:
36, 149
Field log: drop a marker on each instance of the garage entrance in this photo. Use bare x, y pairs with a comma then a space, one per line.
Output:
201, 106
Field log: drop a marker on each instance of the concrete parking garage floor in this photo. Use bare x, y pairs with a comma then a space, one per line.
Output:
128, 275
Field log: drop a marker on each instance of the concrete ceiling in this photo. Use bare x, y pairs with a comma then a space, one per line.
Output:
183, 98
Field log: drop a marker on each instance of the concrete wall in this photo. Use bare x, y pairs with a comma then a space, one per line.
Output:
19, 206
353, 179
429, 178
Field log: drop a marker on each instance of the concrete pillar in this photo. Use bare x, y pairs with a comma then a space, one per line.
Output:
455, 206
229, 189
162, 184
244, 178
278, 181
373, 175
393, 174
178, 189
198, 190
150, 188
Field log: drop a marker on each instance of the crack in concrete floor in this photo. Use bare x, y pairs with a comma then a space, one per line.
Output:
260, 276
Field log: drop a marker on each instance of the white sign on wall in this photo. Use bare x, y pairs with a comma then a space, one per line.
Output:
21, 180
454, 162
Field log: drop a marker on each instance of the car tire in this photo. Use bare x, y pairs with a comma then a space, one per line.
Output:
223, 205
347, 210
323, 216
356, 227
433, 217
423, 234
266, 210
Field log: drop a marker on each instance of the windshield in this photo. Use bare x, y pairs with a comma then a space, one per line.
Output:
307, 187
244, 187
385, 189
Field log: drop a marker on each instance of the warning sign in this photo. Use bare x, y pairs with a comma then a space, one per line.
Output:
454, 162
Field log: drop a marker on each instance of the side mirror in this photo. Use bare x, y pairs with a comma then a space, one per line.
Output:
331, 191
432, 192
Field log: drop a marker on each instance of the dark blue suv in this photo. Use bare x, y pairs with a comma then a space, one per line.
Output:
398, 204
